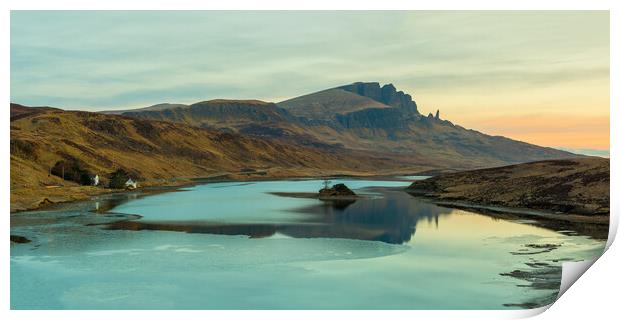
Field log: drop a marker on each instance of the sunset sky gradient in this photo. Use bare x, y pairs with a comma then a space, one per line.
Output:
540, 77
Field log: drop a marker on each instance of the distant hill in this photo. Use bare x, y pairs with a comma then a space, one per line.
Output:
360, 116
326, 105
248, 117
19, 111
576, 186
215, 113
157, 107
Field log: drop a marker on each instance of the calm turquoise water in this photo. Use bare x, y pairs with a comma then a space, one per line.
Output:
236, 246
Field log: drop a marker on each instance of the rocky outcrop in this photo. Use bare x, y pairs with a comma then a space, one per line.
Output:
338, 190
387, 95
371, 90
19, 239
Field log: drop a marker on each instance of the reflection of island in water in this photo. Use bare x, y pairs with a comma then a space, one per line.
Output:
391, 218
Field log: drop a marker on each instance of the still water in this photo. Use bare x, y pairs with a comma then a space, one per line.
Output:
238, 246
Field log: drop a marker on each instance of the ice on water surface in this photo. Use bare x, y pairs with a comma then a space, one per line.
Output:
425, 257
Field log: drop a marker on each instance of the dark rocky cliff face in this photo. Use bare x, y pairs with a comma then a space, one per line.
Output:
391, 118
386, 95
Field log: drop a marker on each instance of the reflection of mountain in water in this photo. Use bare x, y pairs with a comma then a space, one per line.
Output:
391, 218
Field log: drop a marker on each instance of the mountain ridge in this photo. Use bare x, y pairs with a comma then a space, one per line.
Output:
358, 116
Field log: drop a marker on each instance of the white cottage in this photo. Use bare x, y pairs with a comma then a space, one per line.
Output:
96, 180
130, 184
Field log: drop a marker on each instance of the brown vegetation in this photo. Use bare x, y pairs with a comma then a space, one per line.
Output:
578, 186
157, 152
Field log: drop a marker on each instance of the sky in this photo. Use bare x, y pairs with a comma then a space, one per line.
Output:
540, 77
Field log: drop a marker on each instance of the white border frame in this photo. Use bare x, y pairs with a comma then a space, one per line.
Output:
579, 300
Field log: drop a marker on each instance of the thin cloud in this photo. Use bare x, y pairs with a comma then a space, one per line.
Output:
468, 64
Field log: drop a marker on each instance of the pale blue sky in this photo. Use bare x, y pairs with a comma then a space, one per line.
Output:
471, 65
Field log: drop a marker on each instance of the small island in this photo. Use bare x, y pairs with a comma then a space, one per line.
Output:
338, 191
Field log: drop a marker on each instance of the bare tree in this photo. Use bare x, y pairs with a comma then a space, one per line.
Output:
326, 183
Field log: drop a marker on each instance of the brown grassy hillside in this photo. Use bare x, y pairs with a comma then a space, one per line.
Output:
326, 104
154, 151
577, 186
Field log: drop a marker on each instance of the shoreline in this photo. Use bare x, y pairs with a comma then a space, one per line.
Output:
595, 226
85, 193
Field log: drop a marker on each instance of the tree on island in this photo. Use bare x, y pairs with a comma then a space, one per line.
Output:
326, 183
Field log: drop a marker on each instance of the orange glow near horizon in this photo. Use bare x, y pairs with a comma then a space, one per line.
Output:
574, 114
551, 130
